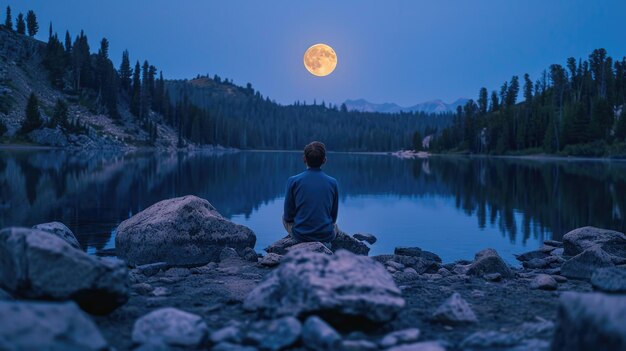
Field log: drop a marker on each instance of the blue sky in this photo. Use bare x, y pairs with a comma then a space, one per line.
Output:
404, 51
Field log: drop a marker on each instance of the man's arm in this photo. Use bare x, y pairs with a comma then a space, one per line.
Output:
289, 212
335, 209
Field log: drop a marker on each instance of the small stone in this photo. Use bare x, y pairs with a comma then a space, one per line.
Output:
312, 246
151, 269
178, 272
391, 269
271, 260
558, 252
227, 334
275, 334
406, 276
553, 243
400, 337
420, 346
317, 335
396, 265
531, 255
493, 277
611, 280
559, 278
142, 288
369, 238
227, 346
488, 261
358, 345
228, 253
161, 291
546, 248
582, 265
455, 310
172, 326
444, 272
206, 269
543, 282
250, 255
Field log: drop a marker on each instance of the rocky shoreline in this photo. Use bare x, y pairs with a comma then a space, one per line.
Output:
188, 279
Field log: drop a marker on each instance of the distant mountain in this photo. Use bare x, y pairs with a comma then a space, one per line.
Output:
433, 106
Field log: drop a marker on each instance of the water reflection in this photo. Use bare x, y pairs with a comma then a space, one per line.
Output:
522, 200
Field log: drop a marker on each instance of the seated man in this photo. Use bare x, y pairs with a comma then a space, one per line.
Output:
311, 200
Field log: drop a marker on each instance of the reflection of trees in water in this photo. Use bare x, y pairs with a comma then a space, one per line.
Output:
554, 196
92, 193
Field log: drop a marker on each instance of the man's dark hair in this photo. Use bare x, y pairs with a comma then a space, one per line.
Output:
315, 153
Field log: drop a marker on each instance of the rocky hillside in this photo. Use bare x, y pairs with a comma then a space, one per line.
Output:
22, 73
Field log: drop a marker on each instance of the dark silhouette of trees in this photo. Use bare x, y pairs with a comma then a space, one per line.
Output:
8, 21
31, 23
20, 28
32, 120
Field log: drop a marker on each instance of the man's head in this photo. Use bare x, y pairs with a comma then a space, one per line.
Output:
315, 154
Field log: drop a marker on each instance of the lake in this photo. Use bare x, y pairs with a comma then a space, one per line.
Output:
453, 206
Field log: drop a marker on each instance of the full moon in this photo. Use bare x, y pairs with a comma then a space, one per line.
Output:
320, 60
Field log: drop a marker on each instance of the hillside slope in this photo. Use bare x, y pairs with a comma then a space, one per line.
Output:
22, 73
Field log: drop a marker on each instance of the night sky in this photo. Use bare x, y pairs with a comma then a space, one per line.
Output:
389, 51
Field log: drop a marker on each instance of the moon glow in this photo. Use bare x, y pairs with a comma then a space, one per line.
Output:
320, 60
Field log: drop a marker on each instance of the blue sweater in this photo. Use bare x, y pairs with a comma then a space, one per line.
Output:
311, 204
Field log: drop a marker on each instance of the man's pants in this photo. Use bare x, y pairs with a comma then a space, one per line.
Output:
289, 227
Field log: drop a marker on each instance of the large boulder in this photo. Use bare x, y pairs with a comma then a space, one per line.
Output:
185, 231
61, 230
342, 242
488, 261
590, 321
47, 326
39, 265
170, 326
584, 264
340, 286
581, 239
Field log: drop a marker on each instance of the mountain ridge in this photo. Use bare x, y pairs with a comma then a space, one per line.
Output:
436, 106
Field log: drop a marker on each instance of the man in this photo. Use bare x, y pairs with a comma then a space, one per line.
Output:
311, 200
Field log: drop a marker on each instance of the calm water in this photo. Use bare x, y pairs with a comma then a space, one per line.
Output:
452, 206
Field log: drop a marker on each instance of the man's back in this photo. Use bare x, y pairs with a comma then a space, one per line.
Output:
311, 204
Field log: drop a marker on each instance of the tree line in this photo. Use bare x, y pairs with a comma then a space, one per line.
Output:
576, 109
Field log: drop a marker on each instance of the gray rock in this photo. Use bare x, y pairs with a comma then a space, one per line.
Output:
546, 262
342, 242
317, 335
590, 321
547, 248
420, 346
39, 265
276, 334
395, 265
230, 334
559, 278
581, 239
498, 339
312, 246
153, 345
59, 229
455, 310
358, 345
178, 272
47, 326
611, 280
151, 269
416, 252
172, 326
488, 261
191, 229
344, 284
271, 260
229, 254
400, 337
369, 238
543, 282
409, 274
250, 255
558, 252
582, 265
161, 291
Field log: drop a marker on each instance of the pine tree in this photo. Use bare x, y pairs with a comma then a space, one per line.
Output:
59, 116
68, 42
483, 101
32, 120
8, 22
21, 25
50, 30
135, 99
145, 100
55, 60
31, 23
125, 72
